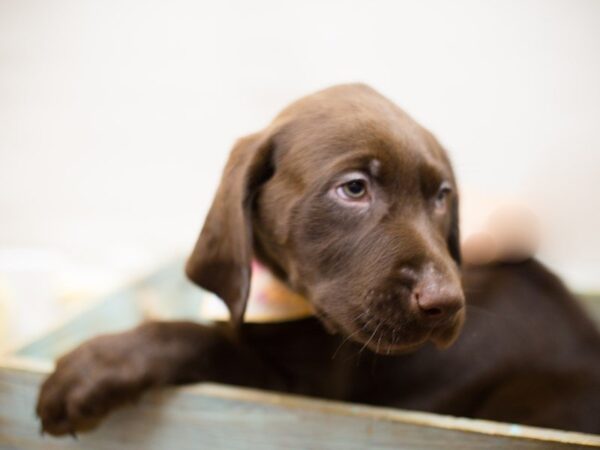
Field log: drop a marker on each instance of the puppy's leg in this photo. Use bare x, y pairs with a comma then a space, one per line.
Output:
111, 370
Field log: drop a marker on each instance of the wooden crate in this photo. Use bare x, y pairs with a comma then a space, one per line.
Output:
215, 416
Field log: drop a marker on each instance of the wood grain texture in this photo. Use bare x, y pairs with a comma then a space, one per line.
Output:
221, 417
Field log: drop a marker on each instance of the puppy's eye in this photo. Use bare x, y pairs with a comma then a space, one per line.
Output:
355, 189
442, 196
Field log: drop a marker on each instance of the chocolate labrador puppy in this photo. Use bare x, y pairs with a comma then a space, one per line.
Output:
353, 204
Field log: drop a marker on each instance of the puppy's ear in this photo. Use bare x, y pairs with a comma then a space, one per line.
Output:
454, 233
221, 259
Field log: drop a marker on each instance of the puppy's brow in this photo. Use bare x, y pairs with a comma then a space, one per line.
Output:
375, 168
364, 162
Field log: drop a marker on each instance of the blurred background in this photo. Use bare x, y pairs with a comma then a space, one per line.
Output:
116, 118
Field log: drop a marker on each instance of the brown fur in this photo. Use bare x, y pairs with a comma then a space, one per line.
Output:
383, 275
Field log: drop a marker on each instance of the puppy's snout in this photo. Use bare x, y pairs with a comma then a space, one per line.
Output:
437, 300
437, 307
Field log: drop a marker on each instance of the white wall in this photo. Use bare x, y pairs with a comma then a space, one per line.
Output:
116, 116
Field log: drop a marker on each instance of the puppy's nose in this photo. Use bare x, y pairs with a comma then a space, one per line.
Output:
437, 301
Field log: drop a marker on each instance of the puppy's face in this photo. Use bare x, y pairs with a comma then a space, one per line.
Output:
354, 205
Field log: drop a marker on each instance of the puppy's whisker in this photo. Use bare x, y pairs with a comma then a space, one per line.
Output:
372, 336
344, 341
363, 328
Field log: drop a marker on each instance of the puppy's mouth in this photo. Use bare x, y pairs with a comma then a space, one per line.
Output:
385, 337
390, 339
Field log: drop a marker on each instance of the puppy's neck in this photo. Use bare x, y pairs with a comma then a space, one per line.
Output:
269, 301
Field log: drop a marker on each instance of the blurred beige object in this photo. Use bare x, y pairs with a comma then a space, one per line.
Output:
516, 231
269, 301
499, 231
40, 286
3, 315
27, 294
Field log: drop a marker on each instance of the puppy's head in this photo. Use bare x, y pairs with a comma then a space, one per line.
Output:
354, 205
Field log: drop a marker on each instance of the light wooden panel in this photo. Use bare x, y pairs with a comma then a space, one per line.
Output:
221, 417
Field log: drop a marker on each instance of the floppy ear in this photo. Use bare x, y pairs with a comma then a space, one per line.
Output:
454, 233
221, 259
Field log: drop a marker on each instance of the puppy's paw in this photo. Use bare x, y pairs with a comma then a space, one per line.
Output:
88, 383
